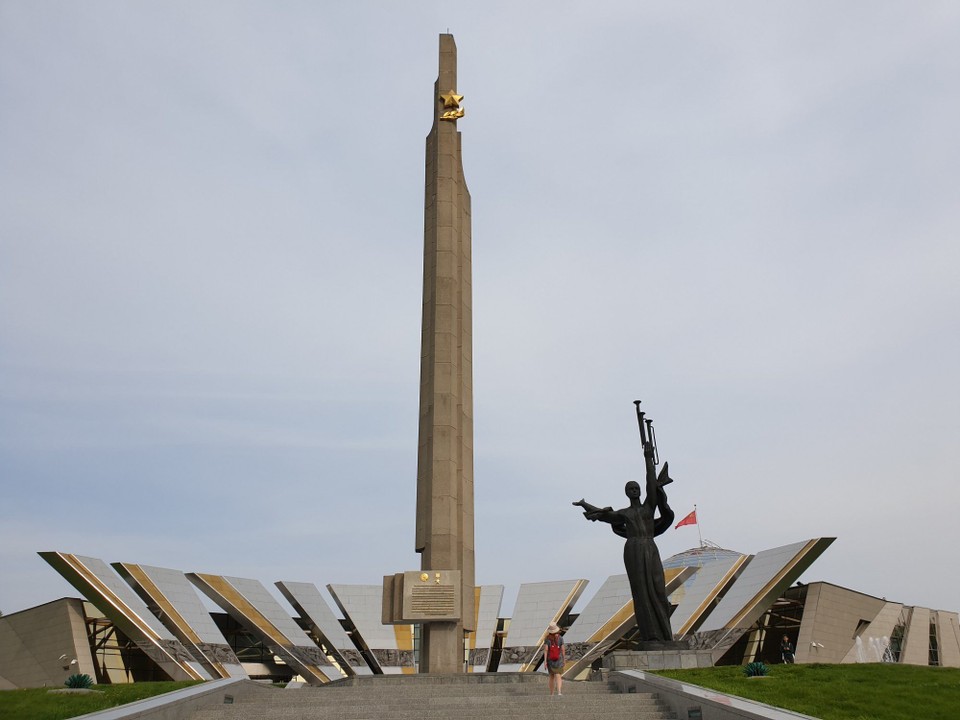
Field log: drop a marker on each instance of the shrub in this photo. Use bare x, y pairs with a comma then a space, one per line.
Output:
755, 669
80, 681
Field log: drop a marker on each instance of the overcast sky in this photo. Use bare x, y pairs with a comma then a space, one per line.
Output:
744, 213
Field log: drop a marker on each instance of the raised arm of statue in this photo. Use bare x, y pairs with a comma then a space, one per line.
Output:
607, 515
593, 513
587, 507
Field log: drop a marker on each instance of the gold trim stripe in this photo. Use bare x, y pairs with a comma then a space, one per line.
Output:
158, 596
621, 622
578, 587
74, 563
625, 613
712, 595
233, 597
471, 639
404, 635
768, 587
153, 590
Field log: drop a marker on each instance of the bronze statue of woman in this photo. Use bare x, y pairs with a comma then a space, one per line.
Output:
637, 524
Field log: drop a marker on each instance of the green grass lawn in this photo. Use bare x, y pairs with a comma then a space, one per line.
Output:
842, 692
38, 704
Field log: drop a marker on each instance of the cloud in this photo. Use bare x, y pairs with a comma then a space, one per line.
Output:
211, 225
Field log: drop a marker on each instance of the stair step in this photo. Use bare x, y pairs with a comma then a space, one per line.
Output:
345, 699
452, 691
440, 698
275, 712
228, 712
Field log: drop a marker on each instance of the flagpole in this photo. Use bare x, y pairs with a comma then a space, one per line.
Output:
698, 525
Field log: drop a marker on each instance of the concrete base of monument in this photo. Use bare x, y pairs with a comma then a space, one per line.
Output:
527, 679
678, 657
657, 645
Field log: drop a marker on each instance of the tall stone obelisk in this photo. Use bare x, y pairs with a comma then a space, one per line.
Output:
445, 461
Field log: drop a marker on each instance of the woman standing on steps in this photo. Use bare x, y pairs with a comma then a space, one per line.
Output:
554, 657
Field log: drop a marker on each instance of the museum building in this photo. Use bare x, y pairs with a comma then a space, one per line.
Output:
140, 623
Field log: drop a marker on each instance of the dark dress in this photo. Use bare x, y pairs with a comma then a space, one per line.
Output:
641, 558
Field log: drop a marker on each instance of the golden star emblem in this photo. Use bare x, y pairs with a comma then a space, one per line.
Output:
451, 99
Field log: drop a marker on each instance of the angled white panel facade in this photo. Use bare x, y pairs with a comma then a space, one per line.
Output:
309, 603
117, 601
695, 596
487, 604
612, 597
183, 613
599, 623
250, 604
607, 618
764, 578
538, 604
391, 646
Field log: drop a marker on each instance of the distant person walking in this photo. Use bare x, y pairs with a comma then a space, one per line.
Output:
786, 650
554, 657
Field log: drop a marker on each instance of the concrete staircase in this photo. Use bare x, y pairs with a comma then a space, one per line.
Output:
491, 696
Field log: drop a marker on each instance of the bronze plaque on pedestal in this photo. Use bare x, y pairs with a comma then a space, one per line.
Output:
419, 596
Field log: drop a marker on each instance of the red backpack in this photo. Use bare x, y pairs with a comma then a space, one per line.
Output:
553, 649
